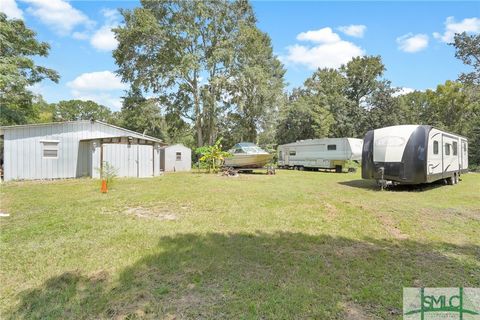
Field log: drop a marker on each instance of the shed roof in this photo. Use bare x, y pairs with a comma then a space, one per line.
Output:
175, 145
127, 131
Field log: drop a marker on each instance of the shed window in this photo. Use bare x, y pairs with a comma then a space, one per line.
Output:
50, 149
332, 147
435, 147
292, 153
447, 149
455, 148
179, 156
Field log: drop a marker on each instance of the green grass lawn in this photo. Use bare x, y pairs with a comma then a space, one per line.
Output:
186, 245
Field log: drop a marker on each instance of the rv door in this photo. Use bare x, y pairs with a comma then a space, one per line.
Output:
463, 155
434, 153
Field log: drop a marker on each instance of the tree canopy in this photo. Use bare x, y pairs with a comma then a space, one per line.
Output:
18, 71
203, 58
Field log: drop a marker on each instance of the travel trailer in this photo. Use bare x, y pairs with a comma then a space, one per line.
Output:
413, 154
326, 153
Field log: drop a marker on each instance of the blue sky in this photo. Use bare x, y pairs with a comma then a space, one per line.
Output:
411, 37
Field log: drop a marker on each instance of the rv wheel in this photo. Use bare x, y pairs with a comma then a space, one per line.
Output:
338, 169
449, 181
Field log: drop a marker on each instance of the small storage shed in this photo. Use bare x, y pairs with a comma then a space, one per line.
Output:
176, 157
77, 149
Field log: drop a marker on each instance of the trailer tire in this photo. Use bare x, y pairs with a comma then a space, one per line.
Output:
338, 169
449, 181
301, 168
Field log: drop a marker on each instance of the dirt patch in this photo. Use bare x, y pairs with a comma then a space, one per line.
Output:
459, 212
385, 219
152, 213
331, 211
391, 227
355, 312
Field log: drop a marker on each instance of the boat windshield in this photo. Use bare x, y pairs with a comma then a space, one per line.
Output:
247, 147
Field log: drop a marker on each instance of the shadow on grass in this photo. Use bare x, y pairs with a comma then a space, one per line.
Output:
279, 275
372, 185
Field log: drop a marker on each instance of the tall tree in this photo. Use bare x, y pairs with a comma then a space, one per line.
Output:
302, 118
256, 85
18, 70
71, 110
183, 50
413, 106
468, 50
327, 89
362, 75
449, 107
384, 108
142, 115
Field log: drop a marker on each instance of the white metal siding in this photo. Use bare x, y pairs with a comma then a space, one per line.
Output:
171, 164
129, 160
23, 152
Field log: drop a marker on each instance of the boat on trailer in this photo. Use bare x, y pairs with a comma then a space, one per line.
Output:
247, 155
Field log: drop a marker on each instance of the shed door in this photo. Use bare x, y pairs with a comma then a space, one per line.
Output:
145, 161
130, 160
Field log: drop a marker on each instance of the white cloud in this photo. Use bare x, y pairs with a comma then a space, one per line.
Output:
469, 25
99, 80
59, 15
101, 87
354, 30
403, 90
10, 8
80, 35
114, 102
104, 39
330, 52
412, 43
324, 35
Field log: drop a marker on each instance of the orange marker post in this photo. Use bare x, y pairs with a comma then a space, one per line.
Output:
104, 188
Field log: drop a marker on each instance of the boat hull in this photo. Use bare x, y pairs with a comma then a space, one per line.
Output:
248, 160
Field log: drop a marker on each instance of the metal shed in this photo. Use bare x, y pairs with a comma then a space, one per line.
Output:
76, 149
176, 157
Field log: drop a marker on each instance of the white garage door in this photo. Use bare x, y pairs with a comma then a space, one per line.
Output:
130, 160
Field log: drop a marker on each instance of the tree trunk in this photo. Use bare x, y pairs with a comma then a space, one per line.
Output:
198, 119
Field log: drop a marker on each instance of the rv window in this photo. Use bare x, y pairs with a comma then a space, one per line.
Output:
447, 149
50, 149
280, 155
455, 147
292, 153
435, 147
332, 147
179, 156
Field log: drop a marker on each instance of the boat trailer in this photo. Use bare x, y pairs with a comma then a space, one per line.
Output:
233, 172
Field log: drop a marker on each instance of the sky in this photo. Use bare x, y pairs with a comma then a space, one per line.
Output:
411, 37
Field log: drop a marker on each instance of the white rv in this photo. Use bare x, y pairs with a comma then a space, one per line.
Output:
413, 154
326, 153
